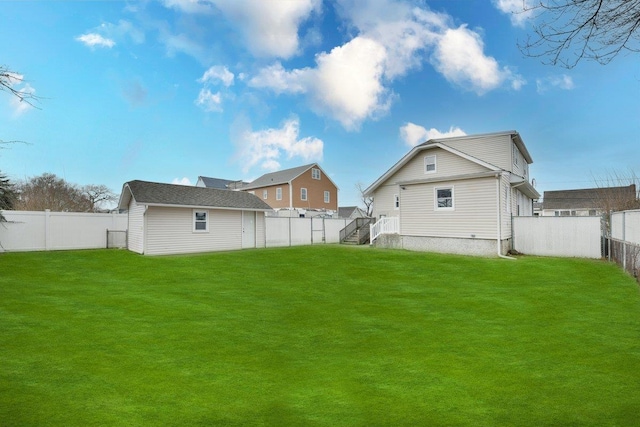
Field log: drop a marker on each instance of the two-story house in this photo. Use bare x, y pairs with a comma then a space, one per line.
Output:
455, 195
299, 190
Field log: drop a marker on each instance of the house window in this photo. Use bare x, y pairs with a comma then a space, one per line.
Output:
315, 173
515, 154
265, 193
303, 194
279, 193
444, 198
429, 164
200, 221
396, 202
327, 196
592, 212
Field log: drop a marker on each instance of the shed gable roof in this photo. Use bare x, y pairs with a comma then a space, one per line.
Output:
154, 193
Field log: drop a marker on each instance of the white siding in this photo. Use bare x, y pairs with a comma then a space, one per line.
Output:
261, 238
474, 215
170, 231
505, 212
495, 150
447, 165
135, 227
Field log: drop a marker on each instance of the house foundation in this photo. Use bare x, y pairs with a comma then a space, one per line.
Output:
474, 247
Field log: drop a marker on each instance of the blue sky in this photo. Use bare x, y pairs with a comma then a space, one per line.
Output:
169, 90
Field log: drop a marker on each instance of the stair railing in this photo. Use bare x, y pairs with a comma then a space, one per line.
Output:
386, 225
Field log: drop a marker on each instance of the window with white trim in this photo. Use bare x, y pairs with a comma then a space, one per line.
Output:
396, 201
200, 221
444, 198
327, 196
515, 154
315, 173
430, 164
303, 193
279, 193
265, 193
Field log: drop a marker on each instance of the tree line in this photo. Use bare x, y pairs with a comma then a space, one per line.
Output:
49, 191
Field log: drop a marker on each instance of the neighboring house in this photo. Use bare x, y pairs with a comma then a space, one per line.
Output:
537, 208
589, 201
455, 195
351, 212
304, 188
222, 184
172, 219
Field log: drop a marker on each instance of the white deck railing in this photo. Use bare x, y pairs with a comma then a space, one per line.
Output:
387, 225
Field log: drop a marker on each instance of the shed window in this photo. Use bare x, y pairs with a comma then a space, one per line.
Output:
327, 196
200, 221
444, 198
279, 193
315, 173
303, 194
429, 164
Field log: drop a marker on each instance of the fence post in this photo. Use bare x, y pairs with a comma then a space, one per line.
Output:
47, 229
624, 240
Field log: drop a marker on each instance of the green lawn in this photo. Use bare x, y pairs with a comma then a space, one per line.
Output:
323, 335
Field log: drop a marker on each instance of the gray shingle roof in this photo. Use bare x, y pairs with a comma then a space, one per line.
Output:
155, 193
279, 177
215, 182
587, 198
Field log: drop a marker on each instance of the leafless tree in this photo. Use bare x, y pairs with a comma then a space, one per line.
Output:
567, 31
51, 192
98, 196
367, 201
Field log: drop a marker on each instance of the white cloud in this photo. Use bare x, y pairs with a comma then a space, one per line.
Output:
413, 134
208, 101
351, 83
122, 30
269, 28
94, 40
459, 56
181, 181
217, 73
265, 147
563, 82
345, 85
519, 11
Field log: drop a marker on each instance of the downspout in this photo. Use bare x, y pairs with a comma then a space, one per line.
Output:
499, 237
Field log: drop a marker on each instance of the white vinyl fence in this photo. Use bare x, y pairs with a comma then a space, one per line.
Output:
624, 241
578, 237
303, 231
43, 231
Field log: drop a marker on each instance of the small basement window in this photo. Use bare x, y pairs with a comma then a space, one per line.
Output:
200, 221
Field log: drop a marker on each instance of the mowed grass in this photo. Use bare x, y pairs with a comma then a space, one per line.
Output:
316, 336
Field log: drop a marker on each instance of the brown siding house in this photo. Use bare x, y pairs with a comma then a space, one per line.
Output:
305, 187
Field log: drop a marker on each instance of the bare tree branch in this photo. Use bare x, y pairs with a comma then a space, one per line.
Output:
568, 31
10, 82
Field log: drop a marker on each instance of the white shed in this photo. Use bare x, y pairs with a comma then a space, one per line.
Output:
174, 219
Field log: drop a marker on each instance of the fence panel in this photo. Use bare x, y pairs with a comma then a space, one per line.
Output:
578, 237
39, 231
626, 226
285, 231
